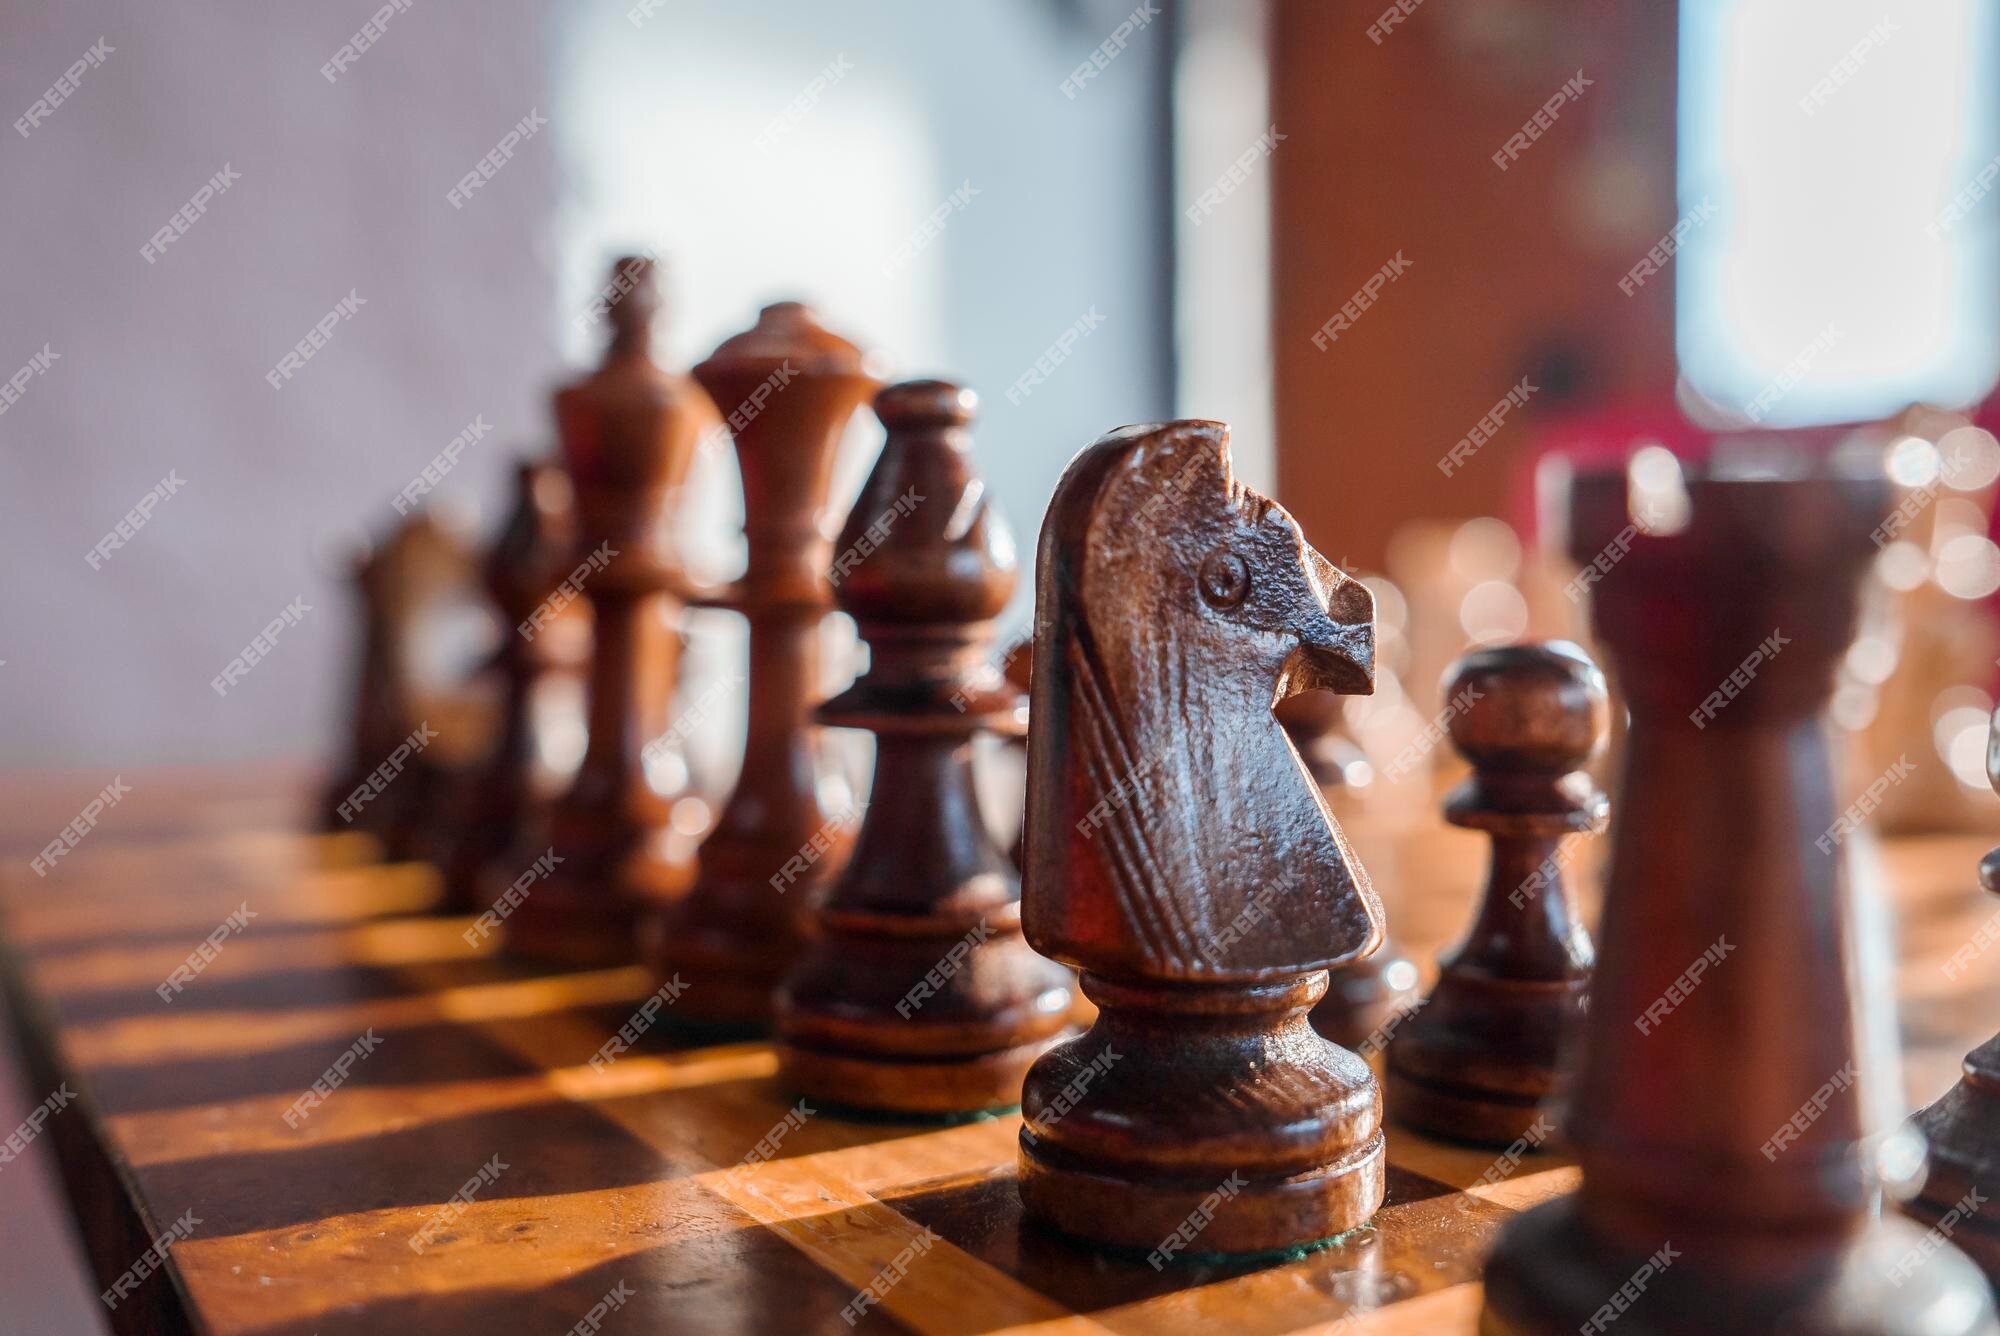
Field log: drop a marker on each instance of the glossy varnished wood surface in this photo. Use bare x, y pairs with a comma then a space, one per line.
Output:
624, 1175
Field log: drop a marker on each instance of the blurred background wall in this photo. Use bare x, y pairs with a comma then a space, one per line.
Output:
678, 128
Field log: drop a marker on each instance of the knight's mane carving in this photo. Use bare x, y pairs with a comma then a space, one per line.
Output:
1168, 813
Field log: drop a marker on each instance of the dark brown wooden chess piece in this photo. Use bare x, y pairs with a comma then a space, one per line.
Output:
628, 434
389, 785
1479, 1062
1716, 1112
1179, 856
918, 993
512, 787
1963, 1127
1018, 668
787, 388
1363, 995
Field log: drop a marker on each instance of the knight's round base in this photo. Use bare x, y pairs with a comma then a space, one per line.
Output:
1550, 1274
971, 1084
1463, 1115
1224, 1213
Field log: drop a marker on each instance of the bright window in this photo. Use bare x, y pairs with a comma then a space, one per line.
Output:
1846, 265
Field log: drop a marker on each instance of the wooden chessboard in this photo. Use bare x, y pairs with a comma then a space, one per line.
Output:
623, 1179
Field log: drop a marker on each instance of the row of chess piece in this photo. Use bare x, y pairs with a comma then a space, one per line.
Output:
1177, 853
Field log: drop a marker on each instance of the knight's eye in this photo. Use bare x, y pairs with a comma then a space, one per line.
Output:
1224, 579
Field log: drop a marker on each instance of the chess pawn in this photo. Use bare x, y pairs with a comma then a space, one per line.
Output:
1180, 857
1362, 995
1717, 1112
918, 994
788, 388
1478, 1062
511, 787
628, 434
1963, 1127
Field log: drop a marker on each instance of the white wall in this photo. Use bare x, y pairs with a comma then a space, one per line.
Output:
342, 186
1051, 201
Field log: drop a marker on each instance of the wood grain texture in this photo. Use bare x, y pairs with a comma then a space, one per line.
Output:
1181, 856
633, 1171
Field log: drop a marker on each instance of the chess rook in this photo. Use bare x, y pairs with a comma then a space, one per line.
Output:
1179, 855
1963, 1128
1721, 1009
1479, 1061
1363, 995
509, 790
918, 993
787, 388
628, 434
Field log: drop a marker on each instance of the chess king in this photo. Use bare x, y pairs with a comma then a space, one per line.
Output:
1179, 854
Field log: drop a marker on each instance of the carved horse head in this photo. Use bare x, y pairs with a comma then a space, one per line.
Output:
1172, 831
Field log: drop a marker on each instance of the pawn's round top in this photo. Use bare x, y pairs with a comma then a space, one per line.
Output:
1527, 717
788, 332
926, 405
1534, 707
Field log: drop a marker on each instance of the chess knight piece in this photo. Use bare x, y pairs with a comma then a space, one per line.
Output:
788, 388
1963, 1127
628, 435
918, 993
1479, 1061
1716, 1114
1179, 854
